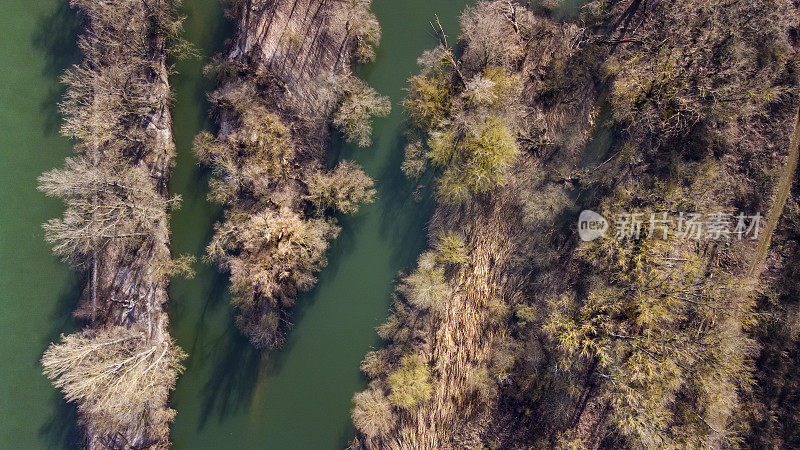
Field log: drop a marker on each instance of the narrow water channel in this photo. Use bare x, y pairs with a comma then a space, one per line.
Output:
298, 397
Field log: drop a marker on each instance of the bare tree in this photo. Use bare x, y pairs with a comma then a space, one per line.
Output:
358, 105
343, 189
106, 201
117, 377
271, 255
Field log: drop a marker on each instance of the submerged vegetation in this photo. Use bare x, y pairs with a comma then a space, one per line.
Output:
268, 160
120, 369
523, 336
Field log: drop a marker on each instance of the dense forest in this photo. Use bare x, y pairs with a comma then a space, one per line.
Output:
284, 82
120, 368
511, 332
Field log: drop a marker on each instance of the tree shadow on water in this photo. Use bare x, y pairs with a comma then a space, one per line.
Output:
237, 367
62, 319
233, 378
409, 205
337, 151
230, 360
56, 36
61, 429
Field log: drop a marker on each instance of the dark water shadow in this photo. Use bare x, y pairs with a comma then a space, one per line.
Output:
233, 377
61, 429
216, 296
338, 150
339, 249
190, 68
193, 198
62, 320
409, 205
193, 88
230, 360
56, 36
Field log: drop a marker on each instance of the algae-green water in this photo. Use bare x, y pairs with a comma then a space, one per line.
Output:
38, 292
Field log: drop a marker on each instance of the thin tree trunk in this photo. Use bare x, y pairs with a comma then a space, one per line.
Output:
94, 285
94, 161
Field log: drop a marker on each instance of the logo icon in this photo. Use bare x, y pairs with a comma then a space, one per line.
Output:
591, 225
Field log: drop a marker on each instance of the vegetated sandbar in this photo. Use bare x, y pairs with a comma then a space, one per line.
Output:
120, 368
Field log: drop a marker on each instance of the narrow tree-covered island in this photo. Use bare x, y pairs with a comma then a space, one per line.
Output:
283, 83
120, 368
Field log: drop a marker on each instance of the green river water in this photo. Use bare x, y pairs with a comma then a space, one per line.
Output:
37, 291
230, 395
